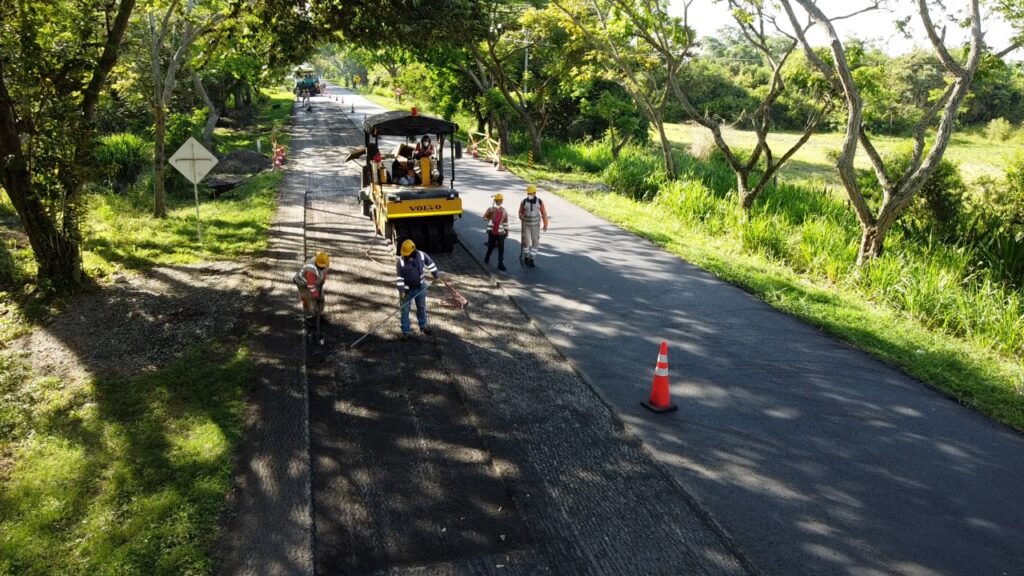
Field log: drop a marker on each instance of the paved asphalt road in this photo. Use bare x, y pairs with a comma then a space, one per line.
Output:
817, 458
473, 451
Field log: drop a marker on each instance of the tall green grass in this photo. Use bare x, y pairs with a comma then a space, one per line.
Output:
122, 158
814, 233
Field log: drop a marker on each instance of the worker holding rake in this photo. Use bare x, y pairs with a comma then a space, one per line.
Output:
412, 268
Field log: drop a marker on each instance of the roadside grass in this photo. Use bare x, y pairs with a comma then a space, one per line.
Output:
120, 232
126, 476
964, 368
971, 149
118, 476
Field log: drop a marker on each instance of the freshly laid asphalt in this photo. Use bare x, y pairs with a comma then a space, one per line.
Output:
476, 450
815, 457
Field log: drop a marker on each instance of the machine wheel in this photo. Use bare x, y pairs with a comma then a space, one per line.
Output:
447, 236
367, 208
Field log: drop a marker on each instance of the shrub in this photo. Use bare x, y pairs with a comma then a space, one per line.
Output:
693, 201
767, 235
999, 129
715, 173
826, 248
121, 158
636, 174
937, 205
181, 126
584, 156
1008, 202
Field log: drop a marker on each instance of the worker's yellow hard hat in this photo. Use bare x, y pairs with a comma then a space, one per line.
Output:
408, 247
531, 189
498, 198
322, 260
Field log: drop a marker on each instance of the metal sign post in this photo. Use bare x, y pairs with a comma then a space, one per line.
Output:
194, 162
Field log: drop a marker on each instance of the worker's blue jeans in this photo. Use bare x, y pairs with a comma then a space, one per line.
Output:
421, 308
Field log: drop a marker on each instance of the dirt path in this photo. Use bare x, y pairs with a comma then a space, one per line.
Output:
473, 451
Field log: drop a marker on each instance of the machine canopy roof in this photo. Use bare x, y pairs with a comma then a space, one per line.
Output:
402, 123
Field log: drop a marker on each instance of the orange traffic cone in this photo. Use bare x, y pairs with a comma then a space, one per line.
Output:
660, 400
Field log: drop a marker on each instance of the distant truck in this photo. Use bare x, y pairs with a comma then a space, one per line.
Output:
424, 210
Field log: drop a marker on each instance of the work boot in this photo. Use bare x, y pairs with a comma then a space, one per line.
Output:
426, 330
405, 336
501, 266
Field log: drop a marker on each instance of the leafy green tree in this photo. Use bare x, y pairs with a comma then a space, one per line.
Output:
898, 189
174, 35
55, 58
524, 55
671, 38
619, 113
420, 25
997, 92
610, 45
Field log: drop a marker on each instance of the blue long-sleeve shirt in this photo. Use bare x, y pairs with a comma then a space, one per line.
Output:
410, 272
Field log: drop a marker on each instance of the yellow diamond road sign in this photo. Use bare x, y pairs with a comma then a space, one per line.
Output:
193, 160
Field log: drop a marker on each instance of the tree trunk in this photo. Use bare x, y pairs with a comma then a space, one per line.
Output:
747, 196
872, 243
666, 153
618, 144
159, 193
58, 255
56, 244
536, 143
502, 133
212, 114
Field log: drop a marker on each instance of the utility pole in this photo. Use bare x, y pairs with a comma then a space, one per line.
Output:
526, 64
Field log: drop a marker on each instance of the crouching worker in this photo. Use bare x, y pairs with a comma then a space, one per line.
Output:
412, 268
310, 282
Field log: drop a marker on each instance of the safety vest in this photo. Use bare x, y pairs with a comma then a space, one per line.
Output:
311, 277
410, 274
531, 210
498, 224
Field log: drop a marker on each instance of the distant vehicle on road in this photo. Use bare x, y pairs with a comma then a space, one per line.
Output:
306, 80
403, 191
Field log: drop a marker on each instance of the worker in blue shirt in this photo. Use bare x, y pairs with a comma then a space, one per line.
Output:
412, 267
